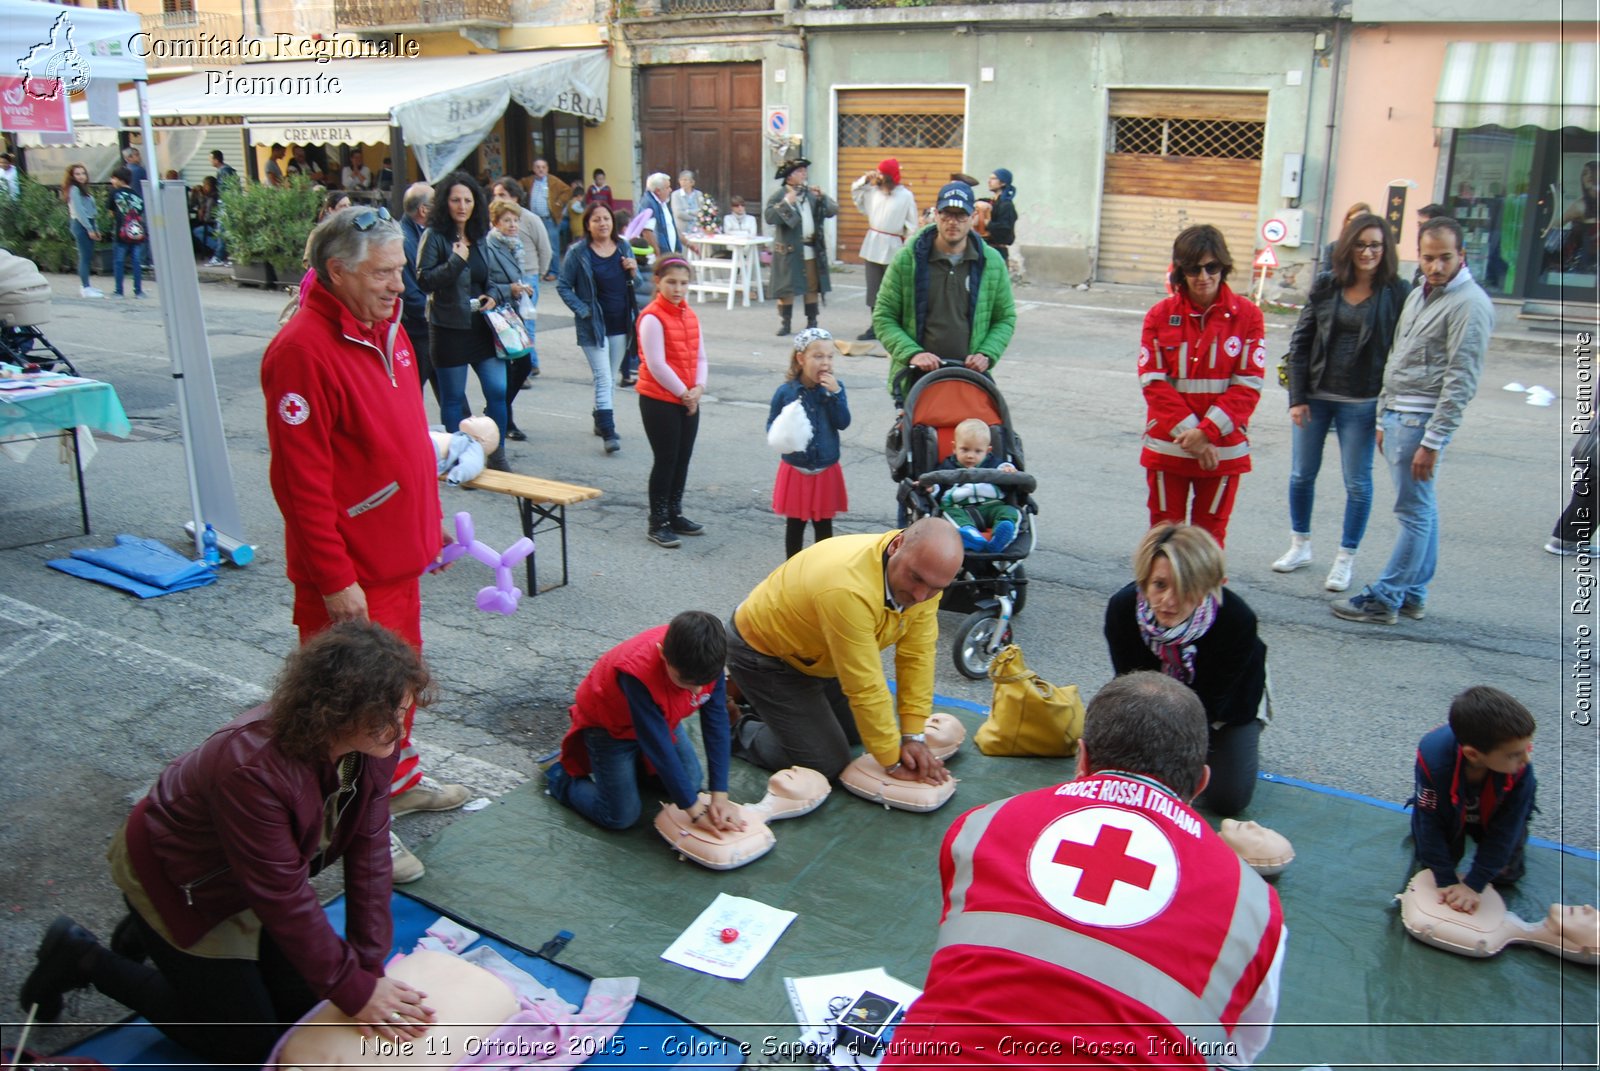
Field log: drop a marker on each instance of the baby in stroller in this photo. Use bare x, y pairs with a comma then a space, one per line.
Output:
978, 507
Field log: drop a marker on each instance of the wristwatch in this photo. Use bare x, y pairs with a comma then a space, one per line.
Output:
918, 737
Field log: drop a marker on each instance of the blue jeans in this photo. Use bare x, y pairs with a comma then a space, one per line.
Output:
1356, 424
210, 237
122, 251
553, 230
1416, 551
453, 392
85, 251
609, 796
604, 361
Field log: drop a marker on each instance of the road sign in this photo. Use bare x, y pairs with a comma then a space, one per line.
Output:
1274, 231
778, 121
1267, 258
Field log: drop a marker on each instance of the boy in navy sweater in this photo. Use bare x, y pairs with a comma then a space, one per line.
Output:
1474, 778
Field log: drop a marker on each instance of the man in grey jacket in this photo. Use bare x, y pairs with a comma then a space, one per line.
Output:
1432, 374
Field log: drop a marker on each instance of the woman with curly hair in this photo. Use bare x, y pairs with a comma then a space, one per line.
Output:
215, 866
85, 215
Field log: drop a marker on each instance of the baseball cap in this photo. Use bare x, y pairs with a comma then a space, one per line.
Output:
954, 195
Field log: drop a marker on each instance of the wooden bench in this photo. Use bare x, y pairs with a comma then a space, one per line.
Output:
542, 505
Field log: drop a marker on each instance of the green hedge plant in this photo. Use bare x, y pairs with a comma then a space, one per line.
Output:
36, 225
264, 224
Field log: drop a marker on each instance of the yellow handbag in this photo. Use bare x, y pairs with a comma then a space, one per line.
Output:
1029, 715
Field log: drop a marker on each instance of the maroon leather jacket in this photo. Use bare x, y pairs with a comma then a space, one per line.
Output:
237, 824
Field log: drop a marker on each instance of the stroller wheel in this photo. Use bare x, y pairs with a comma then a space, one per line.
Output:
976, 644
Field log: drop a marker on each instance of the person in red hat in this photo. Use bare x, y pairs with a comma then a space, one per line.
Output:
891, 211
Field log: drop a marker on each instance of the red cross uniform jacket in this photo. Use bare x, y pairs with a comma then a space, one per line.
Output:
1201, 368
353, 468
602, 704
1098, 913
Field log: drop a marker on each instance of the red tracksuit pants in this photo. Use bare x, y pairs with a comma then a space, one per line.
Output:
1212, 496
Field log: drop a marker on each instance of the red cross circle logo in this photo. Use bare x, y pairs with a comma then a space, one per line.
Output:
1104, 866
293, 409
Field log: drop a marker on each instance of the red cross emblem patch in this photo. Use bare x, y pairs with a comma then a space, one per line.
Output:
293, 409
1104, 866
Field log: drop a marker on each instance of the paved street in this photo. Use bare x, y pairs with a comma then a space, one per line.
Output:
101, 689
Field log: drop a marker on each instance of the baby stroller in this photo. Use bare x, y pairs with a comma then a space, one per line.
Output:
991, 588
24, 305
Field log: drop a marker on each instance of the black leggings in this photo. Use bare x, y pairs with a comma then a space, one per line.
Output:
222, 1010
794, 534
671, 431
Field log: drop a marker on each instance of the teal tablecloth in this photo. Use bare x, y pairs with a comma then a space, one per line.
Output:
94, 404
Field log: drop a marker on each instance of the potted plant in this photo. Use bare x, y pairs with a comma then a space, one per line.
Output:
36, 225
265, 228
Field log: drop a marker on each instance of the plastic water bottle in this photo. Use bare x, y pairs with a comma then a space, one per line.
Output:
208, 540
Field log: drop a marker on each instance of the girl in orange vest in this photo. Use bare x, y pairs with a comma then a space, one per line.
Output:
671, 382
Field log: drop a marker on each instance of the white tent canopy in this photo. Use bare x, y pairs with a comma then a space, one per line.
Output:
99, 37
444, 105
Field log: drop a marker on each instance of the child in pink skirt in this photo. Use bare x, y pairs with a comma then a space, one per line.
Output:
810, 483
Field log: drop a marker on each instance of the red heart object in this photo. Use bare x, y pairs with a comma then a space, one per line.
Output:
729, 935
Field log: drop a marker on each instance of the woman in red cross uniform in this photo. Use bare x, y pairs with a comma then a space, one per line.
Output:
1202, 356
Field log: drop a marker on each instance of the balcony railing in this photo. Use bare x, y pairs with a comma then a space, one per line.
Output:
699, 7
416, 14
189, 39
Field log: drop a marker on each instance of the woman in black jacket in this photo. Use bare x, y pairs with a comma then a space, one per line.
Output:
453, 270
1003, 215
1178, 619
1336, 360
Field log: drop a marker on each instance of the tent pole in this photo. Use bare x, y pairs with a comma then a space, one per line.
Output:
160, 235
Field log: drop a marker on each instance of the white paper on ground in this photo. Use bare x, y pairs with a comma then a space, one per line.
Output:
1514, 386
1540, 396
810, 998
701, 947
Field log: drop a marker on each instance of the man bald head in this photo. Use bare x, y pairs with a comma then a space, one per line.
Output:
923, 560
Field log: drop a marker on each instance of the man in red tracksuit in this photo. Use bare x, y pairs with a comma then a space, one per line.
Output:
353, 469
1084, 922
1202, 357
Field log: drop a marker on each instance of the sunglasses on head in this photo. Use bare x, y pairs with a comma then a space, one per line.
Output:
368, 218
1210, 267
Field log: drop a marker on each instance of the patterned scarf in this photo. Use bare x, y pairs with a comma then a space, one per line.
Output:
1175, 645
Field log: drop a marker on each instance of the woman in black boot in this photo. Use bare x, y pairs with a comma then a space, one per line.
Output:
796, 213
214, 865
597, 285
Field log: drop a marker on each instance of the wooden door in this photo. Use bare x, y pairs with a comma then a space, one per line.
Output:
705, 117
925, 129
1175, 160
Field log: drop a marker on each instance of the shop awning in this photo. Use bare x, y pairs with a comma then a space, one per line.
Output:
444, 105
1544, 84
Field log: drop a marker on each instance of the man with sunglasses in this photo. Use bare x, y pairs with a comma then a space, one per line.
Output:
353, 468
1202, 357
946, 296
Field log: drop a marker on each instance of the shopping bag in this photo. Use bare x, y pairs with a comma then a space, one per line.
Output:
526, 308
1029, 715
510, 337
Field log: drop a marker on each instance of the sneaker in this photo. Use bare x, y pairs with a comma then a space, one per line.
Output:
684, 526
869, 335
1415, 609
1002, 537
544, 762
429, 795
59, 971
1363, 608
218, 262
663, 536
118, 293
613, 444
1297, 556
90, 291
1339, 575
407, 867
516, 434
1565, 548
972, 539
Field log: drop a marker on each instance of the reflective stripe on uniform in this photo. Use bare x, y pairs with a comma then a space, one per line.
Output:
1224, 453
1161, 491
1216, 501
961, 851
1253, 382
1222, 420
1201, 386
1115, 969
1252, 914
1153, 377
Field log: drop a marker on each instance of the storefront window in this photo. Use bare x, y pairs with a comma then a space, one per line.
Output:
1567, 254
1488, 194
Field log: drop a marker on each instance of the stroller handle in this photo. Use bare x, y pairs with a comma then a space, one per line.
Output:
1022, 481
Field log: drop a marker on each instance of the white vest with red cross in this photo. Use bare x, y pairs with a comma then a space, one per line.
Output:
1098, 923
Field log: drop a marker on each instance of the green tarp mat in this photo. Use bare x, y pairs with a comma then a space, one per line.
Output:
1357, 991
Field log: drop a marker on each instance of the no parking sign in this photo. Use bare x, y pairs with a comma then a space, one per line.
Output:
778, 121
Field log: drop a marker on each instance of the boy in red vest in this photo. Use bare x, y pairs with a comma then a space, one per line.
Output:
631, 704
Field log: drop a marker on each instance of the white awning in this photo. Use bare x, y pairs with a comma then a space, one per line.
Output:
445, 105
319, 133
1544, 84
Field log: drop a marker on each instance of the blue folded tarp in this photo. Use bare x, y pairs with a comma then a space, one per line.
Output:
138, 565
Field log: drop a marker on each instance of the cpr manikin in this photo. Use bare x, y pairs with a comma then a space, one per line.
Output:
1569, 932
866, 777
790, 794
1264, 850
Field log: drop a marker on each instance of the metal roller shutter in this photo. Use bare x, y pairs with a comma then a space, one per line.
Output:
229, 139
925, 129
1177, 159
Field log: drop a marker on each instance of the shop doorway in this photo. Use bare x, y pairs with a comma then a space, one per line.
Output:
705, 118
